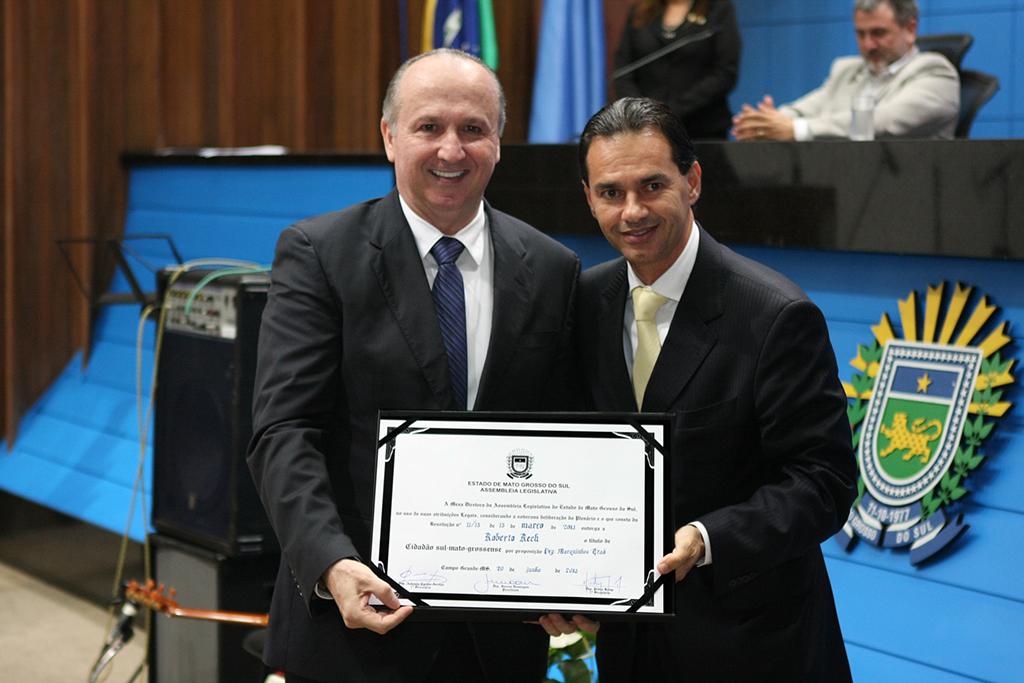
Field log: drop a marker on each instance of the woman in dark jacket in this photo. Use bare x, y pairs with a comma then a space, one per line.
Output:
693, 80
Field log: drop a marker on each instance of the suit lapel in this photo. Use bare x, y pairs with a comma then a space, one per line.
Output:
691, 336
512, 278
403, 283
612, 375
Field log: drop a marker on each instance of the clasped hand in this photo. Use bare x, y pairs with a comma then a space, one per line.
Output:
763, 123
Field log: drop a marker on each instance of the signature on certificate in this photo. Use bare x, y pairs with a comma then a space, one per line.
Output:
601, 584
420, 578
504, 584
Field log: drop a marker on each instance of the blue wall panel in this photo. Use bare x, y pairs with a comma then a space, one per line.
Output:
872, 665
1015, 57
991, 51
789, 44
78, 447
920, 621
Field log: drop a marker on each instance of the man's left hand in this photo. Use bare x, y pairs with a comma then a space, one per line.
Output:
688, 551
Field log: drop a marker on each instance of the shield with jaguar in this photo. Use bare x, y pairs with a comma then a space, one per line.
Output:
916, 417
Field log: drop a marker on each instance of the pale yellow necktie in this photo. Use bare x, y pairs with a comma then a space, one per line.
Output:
646, 303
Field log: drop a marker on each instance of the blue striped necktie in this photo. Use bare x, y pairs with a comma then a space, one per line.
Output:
450, 305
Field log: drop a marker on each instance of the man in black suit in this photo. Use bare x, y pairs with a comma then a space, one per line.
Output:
762, 461
350, 328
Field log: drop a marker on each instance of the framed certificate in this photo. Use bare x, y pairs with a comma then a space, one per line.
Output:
487, 516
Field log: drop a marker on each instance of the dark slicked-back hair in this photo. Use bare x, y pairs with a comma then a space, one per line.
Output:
635, 115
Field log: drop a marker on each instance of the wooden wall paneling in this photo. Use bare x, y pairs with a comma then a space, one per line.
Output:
414, 8
122, 48
141, 78
262, 58
317, 71
42, 339
37, 337
188, 37
517, 25
365, 37
86, 91
7, 61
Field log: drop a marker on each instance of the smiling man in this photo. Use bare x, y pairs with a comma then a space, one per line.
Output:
916, 94
425, 299
762, 465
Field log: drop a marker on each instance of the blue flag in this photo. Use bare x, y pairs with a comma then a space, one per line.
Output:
457, 25
569, 83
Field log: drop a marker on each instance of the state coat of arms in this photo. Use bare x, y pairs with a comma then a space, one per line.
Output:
921, 407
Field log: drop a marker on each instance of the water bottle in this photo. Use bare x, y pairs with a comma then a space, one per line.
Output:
862, 119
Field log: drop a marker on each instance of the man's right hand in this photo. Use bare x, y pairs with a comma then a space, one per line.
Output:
351, 584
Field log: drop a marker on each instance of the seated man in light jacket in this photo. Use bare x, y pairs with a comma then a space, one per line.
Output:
916, 94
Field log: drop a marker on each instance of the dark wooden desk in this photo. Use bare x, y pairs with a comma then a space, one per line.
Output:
940, 198
928, 197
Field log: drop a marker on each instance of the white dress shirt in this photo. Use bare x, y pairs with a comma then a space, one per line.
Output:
476, 263
670, 285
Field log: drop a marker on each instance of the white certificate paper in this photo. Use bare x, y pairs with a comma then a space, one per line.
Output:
507, 513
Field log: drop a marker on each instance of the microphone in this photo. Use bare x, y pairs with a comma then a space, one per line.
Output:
121, 632
125, 620
661, 52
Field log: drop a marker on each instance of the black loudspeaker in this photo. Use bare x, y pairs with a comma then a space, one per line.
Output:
184, 650
202, 489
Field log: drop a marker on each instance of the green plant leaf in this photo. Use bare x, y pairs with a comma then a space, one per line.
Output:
856, 412
575, 671
862, 383
926, 506
579, 649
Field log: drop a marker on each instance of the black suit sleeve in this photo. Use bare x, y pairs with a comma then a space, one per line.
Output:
295, 396
805, 455
565, 389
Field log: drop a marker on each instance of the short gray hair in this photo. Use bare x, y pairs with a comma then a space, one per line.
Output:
389, 110
904, 10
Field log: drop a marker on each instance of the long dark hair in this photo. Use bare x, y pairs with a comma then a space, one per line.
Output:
646, 11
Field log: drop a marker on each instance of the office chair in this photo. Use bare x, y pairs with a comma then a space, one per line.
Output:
976, 89
952, 46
